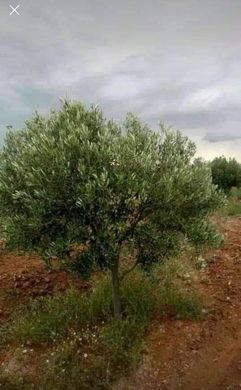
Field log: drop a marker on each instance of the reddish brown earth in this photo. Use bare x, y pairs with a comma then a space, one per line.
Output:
203, 355
25, 276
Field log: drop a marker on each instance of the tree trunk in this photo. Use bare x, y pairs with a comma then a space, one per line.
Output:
116, 291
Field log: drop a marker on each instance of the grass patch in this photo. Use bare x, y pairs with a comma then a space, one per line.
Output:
232, 205
13, 382
48, 319
179, 303
124, 338
139, 296
88, 343
232, 208
52, 318
95, 356
235, 193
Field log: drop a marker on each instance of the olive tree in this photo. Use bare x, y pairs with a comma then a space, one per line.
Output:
226, 173
76, 178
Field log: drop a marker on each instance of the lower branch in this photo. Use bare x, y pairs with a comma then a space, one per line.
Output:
125, 273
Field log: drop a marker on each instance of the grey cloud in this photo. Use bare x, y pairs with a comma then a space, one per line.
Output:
217, 137
173, 61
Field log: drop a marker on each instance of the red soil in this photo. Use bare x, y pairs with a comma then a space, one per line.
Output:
25, 276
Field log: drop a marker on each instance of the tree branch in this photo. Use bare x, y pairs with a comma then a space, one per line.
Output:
125, 273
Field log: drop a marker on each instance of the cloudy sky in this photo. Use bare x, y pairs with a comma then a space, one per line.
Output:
175, 61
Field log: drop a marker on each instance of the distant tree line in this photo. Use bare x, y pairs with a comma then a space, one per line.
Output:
226, 173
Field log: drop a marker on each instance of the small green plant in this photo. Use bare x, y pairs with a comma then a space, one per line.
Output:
100, 301
176, 287
13, 382
138, 294
179, 303
47, 319
80, 362
235, 193
232, 208
123, 335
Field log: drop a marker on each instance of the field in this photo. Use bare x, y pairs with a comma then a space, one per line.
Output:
57, 331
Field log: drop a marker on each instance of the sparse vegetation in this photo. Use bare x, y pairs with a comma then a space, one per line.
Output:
232, 205
50, 318
86, 342
232, 208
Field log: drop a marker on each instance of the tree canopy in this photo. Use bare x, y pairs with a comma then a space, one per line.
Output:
76, 178
226, 173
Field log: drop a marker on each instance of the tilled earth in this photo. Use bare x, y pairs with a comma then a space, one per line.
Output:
25, 276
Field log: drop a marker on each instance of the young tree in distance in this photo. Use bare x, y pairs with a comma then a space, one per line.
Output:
75, 177
226, 173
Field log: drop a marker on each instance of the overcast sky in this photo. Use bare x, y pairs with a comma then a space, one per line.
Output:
175, 61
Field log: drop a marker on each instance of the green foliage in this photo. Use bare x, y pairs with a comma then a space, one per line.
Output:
83, 264
47, 318
80, 362
235, 193
180, 303
226, 173
124, 337
177, 288
100, 302
232, 208
139, 294
13, 382
121, 334
205, 234
76, 177
96, 357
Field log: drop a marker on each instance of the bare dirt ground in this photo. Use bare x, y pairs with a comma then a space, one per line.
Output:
25, 276
203, 355
179, 354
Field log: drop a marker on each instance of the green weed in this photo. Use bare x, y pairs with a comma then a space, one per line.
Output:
232, 208
90, 349
179, 303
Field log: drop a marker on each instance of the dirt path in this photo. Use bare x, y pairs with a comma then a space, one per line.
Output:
204, 355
